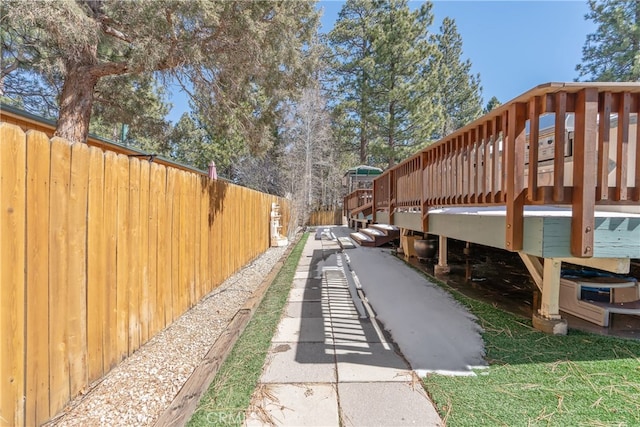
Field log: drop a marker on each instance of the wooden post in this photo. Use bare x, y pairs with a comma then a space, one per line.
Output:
424, 184
622, 145
558, 158
534, 133
442, 266
513, 149
550, 307
584, 173
534, 266
392, 195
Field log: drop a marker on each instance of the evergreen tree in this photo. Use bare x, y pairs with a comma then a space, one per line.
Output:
247, 47
351, 45
385, 86
459, 91
131, 109
612, 53
403, 84
492, 104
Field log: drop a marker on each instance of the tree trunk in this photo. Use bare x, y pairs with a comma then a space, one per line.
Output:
75, 104
391, 141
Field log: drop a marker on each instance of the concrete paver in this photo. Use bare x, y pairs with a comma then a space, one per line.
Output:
304, 309
296, 405
402, 405
314, 329
329, 363
299, 295
370, 362
300, 363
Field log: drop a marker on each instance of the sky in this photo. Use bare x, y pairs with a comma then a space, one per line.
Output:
513, 45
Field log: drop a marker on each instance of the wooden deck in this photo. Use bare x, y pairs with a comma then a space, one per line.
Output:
568, 191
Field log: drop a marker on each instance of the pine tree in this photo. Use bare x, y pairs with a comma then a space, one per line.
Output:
612, 53
459, 91
492, 104
352, 54
385, 84
254, 47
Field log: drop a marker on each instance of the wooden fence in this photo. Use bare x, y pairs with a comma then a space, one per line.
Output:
325, 217
98, 252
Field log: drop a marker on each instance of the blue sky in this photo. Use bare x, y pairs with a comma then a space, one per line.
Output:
514, 45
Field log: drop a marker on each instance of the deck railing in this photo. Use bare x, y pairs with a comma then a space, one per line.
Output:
588, 155
357, 199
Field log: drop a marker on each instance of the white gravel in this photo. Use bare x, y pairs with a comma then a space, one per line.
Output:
139, 389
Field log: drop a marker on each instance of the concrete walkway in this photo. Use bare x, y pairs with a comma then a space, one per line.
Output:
331, 361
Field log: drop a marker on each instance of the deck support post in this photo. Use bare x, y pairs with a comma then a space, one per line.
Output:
548, 318
442, 267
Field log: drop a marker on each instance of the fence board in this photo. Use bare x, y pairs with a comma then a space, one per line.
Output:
122, 261
144, 251
12, 263
110, 226
175, 176
77, 259
154, 205
37, 253
134, 255
58, 274
96, 266
163, 286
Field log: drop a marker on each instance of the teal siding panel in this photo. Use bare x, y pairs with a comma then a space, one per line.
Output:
617, 237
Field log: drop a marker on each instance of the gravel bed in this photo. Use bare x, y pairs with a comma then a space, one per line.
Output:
139, 389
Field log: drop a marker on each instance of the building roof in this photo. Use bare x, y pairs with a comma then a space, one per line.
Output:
363, 170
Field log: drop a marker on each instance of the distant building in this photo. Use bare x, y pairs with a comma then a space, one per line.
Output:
359, 177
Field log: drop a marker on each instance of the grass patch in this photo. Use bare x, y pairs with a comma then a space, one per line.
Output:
229, 395
533, 378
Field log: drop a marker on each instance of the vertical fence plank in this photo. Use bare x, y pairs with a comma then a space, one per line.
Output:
144, 252
134, 256
165, 215
604, 136
152, 265
77, 279
58, 274
174, 298
205, 273
197, 205
622, 146
96, 266
122, 268
110, 225
37, 277
192, 246
183, 242
12, 265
